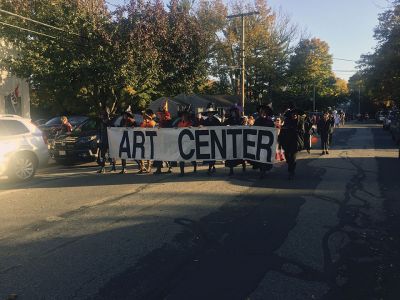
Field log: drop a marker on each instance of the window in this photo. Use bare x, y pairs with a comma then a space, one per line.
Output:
12, 127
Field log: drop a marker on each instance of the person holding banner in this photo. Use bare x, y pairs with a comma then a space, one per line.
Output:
210, 121
103, 123
126, 121
185, 122
291, 138
234, 119
148, 122
265, 120
164, 121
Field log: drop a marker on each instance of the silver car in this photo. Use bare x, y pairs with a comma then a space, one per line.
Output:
23, 148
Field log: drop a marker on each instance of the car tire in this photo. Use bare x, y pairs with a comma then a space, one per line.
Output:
22, 167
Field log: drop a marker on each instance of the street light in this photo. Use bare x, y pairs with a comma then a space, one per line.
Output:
242, 48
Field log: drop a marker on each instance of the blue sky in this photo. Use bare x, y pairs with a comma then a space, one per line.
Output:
346, 25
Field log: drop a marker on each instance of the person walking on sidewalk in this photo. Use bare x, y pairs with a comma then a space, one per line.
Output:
324, 129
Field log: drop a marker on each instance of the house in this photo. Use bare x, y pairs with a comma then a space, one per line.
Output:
14, 92
198, 103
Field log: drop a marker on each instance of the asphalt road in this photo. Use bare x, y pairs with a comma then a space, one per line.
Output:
331, 233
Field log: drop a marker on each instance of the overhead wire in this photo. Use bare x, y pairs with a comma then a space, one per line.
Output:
37, 22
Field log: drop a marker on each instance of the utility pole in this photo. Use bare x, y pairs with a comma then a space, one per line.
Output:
242, 52
359, 98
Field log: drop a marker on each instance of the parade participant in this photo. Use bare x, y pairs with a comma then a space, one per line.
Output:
264, 119
164, 121
65, 125
332, 128
279, 151
250, 121
324, 129
291, 138
198, 120
127, 120
102, 124
234, 119
148, 122
308, 132
211, 120
185, 122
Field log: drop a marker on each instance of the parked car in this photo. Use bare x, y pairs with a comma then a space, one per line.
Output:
388, 120
39, 122
380, 116
79, 145
395, 127
22, 148
53, 126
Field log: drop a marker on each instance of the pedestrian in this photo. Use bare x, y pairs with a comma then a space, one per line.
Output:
148, 122
211, 120
291, 138
332, 128
103, 123
308, 132
65, 125
164, 121
264, 120
185, 122
128, 121
324, 129
234, 119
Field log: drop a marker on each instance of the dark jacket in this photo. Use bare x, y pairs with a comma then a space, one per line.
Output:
102, 131
324, 127
265, 122
232, 121
291, 136
128, 122
211, 121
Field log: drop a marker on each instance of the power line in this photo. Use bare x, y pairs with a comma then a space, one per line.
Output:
344, 59
28, 30
37, 22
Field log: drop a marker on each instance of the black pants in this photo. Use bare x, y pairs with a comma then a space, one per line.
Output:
291, 161
325, 142
102, 154
182, 166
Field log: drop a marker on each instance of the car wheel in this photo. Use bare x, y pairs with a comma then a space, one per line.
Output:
23, 167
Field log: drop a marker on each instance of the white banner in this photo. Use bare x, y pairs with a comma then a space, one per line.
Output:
197, 143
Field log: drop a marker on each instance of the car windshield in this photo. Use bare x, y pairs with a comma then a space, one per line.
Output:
77, 120
12, 127
53, 121
86, 126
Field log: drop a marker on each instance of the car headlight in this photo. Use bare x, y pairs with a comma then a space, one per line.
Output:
87, 139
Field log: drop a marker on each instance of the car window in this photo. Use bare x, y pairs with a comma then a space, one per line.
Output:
77, 120
87, 126
54, 121
12, 127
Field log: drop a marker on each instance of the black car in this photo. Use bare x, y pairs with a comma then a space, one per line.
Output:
53, 126
79, 145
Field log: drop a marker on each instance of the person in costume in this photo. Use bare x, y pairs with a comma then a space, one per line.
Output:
148, 122
211, 120
234, 119
128, 121
185, 121
164, 121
